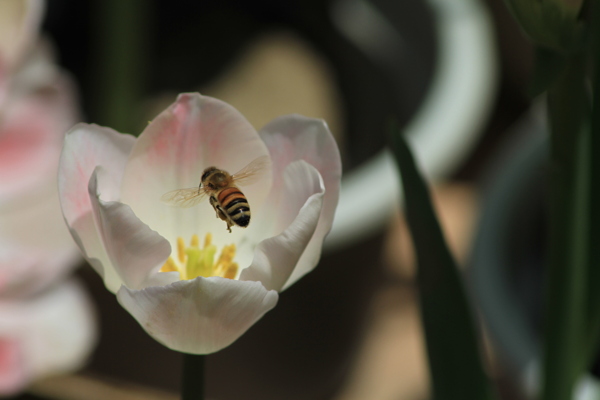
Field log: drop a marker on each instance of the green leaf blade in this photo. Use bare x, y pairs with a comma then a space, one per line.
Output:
451, 335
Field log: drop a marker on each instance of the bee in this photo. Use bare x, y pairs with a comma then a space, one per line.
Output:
220, 187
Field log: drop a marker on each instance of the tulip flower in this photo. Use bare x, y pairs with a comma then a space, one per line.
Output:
36, 107
46, 325
191, 284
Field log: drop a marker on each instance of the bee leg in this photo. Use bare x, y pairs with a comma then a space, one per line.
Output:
225, 218
215, 205
221, 213
218, 210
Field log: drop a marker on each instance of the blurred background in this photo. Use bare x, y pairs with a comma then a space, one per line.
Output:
349, 330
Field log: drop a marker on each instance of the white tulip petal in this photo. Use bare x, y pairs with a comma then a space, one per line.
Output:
161, 279
54, 331
198, 316
294, 137
194, 133
85, 227
86, 147
36, 248
135, 251
34, 219
26, 270
302, 196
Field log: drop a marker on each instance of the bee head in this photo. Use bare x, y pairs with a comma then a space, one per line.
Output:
207, 172
214, 178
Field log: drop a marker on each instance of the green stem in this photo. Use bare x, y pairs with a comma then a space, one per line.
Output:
567, 251
594, 234
192, 384
120, 29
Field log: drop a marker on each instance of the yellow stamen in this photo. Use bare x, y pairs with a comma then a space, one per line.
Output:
192, 261
195, 242
181, 250
231, 271
225, 259
169, 266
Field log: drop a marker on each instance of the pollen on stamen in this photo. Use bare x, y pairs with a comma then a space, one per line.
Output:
224, 266
192, 261
231, 271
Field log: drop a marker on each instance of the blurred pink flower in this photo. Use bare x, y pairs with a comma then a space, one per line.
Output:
49, 333
46, 325
188, 295
35, 248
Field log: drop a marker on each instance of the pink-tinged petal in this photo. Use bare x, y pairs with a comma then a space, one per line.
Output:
85, 148
13, 371
294, 137
54, 331
31, 132
198, 316
275, 258
194, 133
19, 26
135, 251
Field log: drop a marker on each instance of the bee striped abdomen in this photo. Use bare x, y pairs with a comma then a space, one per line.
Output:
236, 206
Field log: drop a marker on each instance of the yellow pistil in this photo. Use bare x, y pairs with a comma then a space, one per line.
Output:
193, 261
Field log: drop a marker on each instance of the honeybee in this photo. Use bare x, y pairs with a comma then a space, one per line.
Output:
220, 187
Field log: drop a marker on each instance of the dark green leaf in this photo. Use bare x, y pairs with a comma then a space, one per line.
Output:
593, 277
450, 331
547, 68
565, 324
551, 24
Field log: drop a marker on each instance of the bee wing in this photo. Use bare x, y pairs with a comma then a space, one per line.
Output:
184, 198
252, 172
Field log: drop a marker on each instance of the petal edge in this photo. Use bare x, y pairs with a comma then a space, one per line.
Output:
217, 311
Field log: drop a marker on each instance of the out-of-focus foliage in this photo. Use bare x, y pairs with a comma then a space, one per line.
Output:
554, 24
452, 341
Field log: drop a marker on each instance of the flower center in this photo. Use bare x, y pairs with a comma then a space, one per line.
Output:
193, 261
